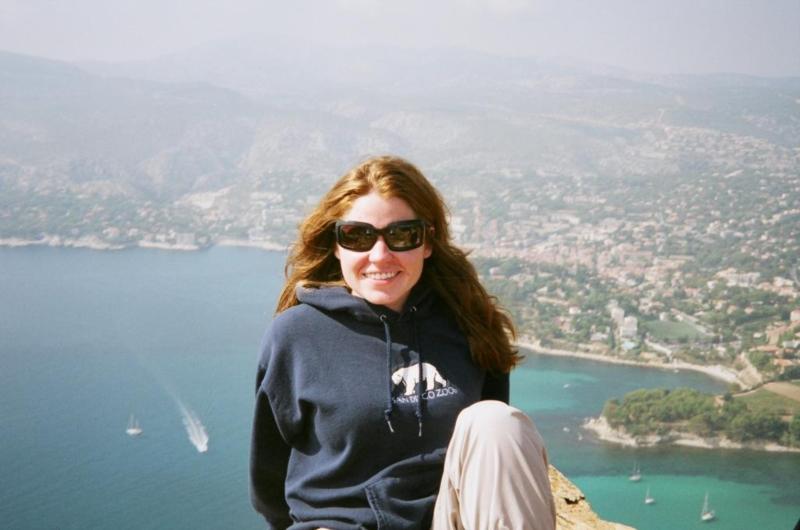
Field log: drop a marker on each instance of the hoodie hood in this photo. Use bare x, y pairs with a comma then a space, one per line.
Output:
340, 299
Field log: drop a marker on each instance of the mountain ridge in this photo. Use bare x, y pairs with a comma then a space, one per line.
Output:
471, 123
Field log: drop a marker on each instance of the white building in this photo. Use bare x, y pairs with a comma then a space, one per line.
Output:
629, 328
618, 315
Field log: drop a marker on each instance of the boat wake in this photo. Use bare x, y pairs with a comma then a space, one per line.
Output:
194, 428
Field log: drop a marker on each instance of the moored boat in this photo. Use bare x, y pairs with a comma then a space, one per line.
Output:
707, 514
649, 499
636, 474
133, 427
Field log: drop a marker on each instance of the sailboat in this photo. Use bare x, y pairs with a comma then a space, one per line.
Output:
649, 499
133, 427
707, 514
636, 474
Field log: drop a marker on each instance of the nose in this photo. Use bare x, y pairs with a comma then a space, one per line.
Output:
379, 250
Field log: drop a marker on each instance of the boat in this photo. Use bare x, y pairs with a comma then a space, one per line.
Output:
636, 474
649, 499
707, 514
133, 427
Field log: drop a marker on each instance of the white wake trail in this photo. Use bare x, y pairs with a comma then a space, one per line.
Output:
194, 428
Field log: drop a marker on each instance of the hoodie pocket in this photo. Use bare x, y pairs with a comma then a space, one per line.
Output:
404, 498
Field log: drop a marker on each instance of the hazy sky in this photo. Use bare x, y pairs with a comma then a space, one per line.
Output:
759, 37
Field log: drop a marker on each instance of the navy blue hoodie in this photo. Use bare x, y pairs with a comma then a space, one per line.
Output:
355, 406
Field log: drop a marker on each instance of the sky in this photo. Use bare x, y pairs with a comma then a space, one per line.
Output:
758, 37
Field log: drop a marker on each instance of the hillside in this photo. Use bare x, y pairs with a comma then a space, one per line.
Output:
150, 137
649, 218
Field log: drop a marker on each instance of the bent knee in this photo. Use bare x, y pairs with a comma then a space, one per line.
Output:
497, 419
488, 412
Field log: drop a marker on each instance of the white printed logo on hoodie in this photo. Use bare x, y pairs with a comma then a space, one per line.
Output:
434, 385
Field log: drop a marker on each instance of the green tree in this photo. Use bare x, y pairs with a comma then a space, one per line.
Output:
794, 431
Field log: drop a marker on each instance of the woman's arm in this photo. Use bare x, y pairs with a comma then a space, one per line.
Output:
269, 456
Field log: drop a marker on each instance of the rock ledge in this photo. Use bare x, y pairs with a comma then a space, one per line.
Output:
573, 511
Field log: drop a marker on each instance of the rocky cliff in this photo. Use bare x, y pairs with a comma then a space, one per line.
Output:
573, 511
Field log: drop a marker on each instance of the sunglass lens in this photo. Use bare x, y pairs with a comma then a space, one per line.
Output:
357, 237
404, 236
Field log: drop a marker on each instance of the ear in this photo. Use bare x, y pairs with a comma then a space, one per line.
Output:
336, 251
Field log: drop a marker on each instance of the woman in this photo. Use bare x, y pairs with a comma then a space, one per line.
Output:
383, 336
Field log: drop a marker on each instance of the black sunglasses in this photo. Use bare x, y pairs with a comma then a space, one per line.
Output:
399, 236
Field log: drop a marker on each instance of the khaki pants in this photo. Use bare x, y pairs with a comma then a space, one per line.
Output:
495, 473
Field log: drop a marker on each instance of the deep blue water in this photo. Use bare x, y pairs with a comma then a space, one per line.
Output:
88, 338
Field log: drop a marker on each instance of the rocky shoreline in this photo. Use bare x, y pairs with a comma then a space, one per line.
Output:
90, 242
95, 243
601, 428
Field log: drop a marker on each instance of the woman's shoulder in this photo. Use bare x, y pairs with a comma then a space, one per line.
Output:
298, 319
283, 334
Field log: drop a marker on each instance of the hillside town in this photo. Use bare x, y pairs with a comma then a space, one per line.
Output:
701, 271
636, 235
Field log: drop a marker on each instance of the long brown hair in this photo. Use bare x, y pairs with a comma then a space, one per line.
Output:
312, 262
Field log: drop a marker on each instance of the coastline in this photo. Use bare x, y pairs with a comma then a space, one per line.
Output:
95, 243
263, 245
605, 432
716, 371
90, 242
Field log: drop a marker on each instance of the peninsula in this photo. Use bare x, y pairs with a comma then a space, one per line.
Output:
766, 419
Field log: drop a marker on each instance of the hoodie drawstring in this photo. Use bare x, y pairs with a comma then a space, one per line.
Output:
418, 410
387, 412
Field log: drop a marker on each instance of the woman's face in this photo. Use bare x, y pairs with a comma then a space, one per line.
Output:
380, 275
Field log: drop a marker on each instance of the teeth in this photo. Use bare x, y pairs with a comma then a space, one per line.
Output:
380, 275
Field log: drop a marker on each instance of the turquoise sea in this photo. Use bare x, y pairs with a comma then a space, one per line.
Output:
88, 338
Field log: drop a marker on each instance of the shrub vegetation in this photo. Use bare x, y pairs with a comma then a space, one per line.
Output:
660, 411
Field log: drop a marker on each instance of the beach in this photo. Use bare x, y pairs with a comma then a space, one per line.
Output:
721, 373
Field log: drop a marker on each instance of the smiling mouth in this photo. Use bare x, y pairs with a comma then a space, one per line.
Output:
380, 275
